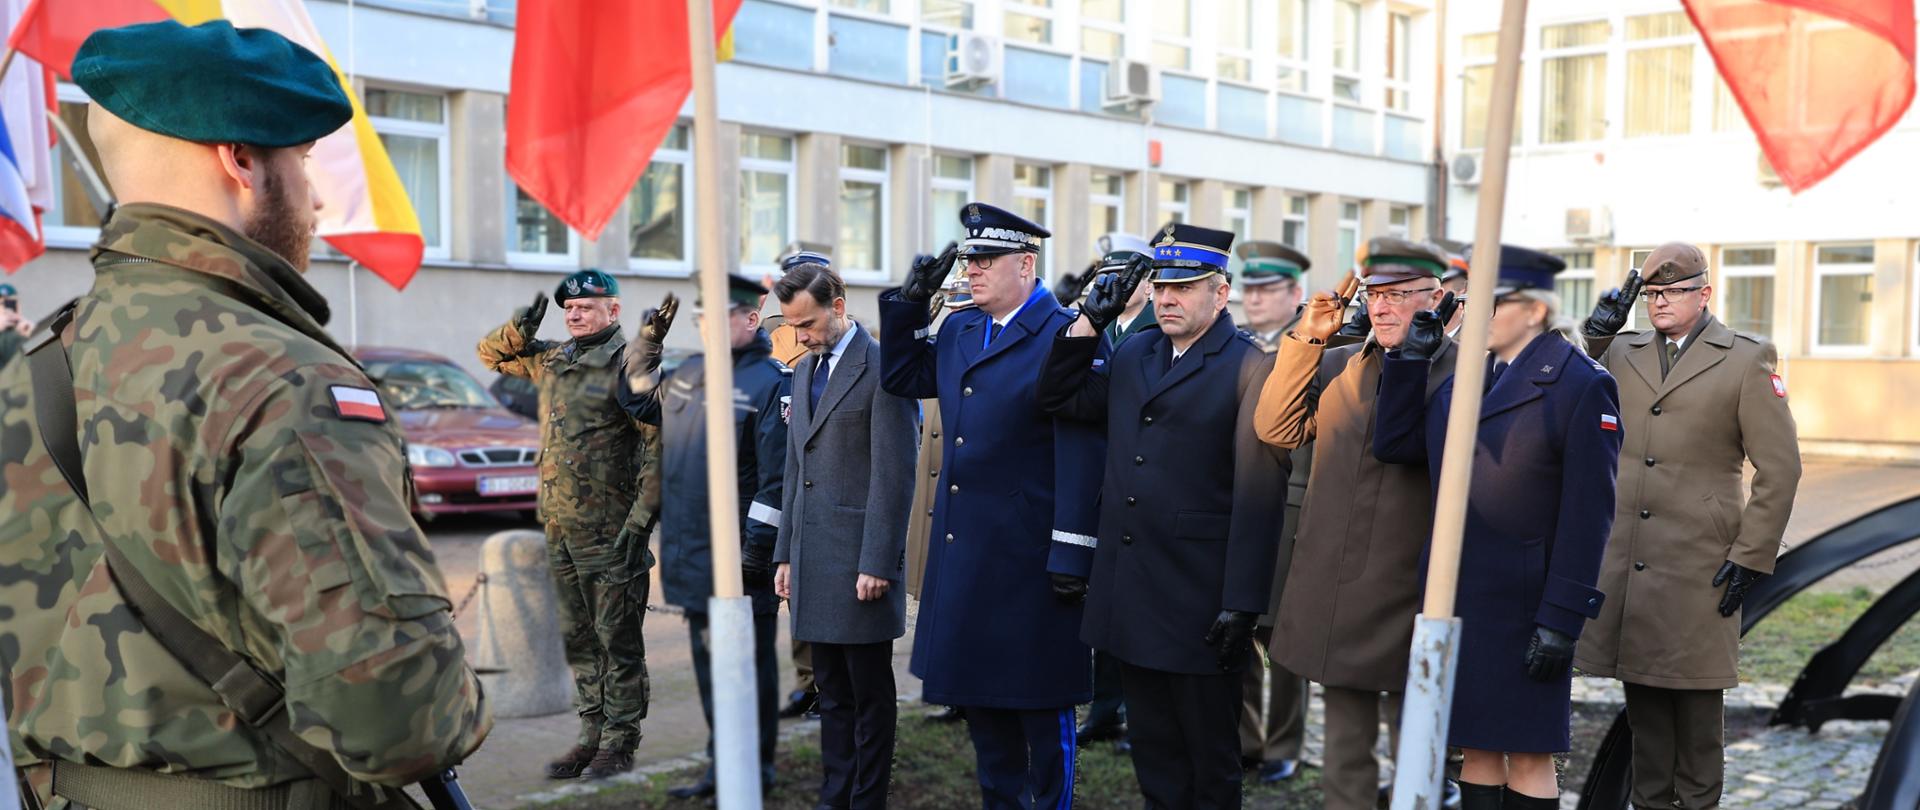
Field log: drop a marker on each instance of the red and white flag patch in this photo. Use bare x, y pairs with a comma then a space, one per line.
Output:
1609, 422
357, 403
1779, 386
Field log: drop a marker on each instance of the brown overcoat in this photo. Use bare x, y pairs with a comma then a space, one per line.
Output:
1679, 513
1353, 585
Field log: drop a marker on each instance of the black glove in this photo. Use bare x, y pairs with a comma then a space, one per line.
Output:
529, 321
1231, 636
1611, 311
632, 542
929, 274
756, 566
1068, 289
1069, 589
1738, 579
1359, 325
1549, 653
654, 323
1428, 331
1111, 292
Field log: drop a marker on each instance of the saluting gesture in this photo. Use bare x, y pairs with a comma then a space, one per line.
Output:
1611, 311
929, 274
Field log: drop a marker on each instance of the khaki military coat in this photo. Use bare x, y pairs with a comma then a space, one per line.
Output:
1680, 511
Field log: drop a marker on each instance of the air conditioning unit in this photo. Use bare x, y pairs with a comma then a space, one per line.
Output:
1466, 170
972, 60
1589, 225
1768, 179
1130, 85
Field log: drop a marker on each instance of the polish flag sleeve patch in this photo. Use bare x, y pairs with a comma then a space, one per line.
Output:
357, 403
1779, 386
1609, 422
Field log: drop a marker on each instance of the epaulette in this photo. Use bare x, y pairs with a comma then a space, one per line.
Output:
1246, 336
1752, 336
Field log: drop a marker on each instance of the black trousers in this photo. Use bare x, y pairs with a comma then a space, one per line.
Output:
766, 671
1185, 735
1109, 702
857, 713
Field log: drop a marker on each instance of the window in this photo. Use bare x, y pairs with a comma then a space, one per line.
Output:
1574, 285
1349, 246
413, 128
1173, 34
1293, 223
1400, 221
1399, 62
863, 209
870, 6
1727, 116
1477, 91
766, 198
1291, 46
1103, 31
1573, 81
1174, 201
1346, 50
1746, 289
1239, 213
1236, 40
1659, 75
659, 205
952, 188
1109, 203
1032, 196
1843, 297
1636, 258
947, 13
1028, 21
535, 235
72, 217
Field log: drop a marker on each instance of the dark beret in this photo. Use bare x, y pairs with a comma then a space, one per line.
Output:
212, 83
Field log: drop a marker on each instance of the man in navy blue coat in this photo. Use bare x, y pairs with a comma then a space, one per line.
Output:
1191, 510
1014, 515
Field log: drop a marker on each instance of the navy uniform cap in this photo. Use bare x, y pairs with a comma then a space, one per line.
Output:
1269, 262
212, 83
586, 284
1524, 269
1189, 253
992, 231
802, 252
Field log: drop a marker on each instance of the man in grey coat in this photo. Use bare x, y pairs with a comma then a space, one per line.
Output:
841, 551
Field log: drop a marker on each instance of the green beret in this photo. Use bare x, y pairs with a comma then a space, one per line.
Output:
7, 291
212, 83
586, 284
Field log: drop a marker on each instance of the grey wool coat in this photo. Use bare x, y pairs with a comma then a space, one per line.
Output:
850, 476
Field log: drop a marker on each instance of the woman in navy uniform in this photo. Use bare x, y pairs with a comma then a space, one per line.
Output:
1014, 515
1539, 511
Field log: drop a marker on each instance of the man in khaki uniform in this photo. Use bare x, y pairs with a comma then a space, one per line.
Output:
1696, 400
1346, 614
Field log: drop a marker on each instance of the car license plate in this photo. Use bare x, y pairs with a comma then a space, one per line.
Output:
509, 485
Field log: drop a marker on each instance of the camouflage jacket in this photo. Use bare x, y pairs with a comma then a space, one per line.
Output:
221, 458
599, 467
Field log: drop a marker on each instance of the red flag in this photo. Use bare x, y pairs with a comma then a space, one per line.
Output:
51, 31
1819, 80
595, 88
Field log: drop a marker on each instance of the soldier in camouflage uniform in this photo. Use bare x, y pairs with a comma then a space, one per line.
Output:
233, 453
599, 495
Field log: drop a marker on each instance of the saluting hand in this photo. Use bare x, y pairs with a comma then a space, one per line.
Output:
1611, 311
1549, 653
929, 274
1068, 289
1428, 331
1738, 579
529, 321
654, 323
1321, 319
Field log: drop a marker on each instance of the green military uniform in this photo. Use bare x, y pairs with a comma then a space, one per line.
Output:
599, 475
242, 464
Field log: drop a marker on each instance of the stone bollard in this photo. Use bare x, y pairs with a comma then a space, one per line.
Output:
520, 629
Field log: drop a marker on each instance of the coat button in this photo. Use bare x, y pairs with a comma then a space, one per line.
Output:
953, 488
806, 484
1138, 460
1639, 566
936, 434
809, 448
959, 441
929, 513
1131, 500
1593, 602
949, 538
1656, 410
1126, 539
933, 473
1644, 514
1147, 419
967, 391
1649, 461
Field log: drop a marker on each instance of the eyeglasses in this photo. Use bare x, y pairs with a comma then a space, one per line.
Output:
1670, 294
1395, 297
983, 262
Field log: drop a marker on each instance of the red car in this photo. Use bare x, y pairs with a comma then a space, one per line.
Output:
467, 452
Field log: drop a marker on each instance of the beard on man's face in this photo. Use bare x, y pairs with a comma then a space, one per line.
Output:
277, 223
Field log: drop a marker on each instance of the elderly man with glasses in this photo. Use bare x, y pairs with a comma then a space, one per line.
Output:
1346, 612
1697, 402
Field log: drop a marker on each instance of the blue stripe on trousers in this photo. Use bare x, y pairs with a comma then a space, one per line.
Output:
1069, 746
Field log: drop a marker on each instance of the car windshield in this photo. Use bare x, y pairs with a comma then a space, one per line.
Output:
419, 384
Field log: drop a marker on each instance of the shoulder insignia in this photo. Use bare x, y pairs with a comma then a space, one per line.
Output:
1753, 338
1779, 386
360, 404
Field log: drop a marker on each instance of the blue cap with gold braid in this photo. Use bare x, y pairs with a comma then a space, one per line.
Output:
1189, 253
992, 231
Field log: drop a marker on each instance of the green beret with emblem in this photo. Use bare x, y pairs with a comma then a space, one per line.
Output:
212, 83
586, 284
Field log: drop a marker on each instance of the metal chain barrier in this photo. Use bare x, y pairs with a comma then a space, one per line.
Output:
478, 581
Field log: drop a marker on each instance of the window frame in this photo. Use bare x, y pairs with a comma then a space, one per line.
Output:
1572, 273
1249, 54
1629, 46
1405, 229
1183, 204
1230, 211
1028, 8
791, 169
1353, 224
1098, 199
877, 177
971, 13
1303, 217
1187, 42
937, 183
1390, 83
1045, 195
567, 262
1820, 273
1726, 271
1300, 63
1356, 74
442, 133
1117, 28
689, 236
1542, 55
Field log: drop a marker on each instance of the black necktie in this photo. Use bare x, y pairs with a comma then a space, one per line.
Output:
1499, 368
819, 386
993, 332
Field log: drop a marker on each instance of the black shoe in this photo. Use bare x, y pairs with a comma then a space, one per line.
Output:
1450, 795
570, 765
609, 762
1248, 763
799, 703
698, 790
948, 714
1088, 734
1279, 770
1124, 746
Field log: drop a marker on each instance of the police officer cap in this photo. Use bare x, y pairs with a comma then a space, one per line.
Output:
1391, 260
7, 291
586, 284
1524, 269
1673, 263
1117, 241
1189, 253
1456, 267
802, 252
1118, 259
212, 83
993, 231
1269, 262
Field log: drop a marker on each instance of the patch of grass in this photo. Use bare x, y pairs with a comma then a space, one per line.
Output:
1780, 645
